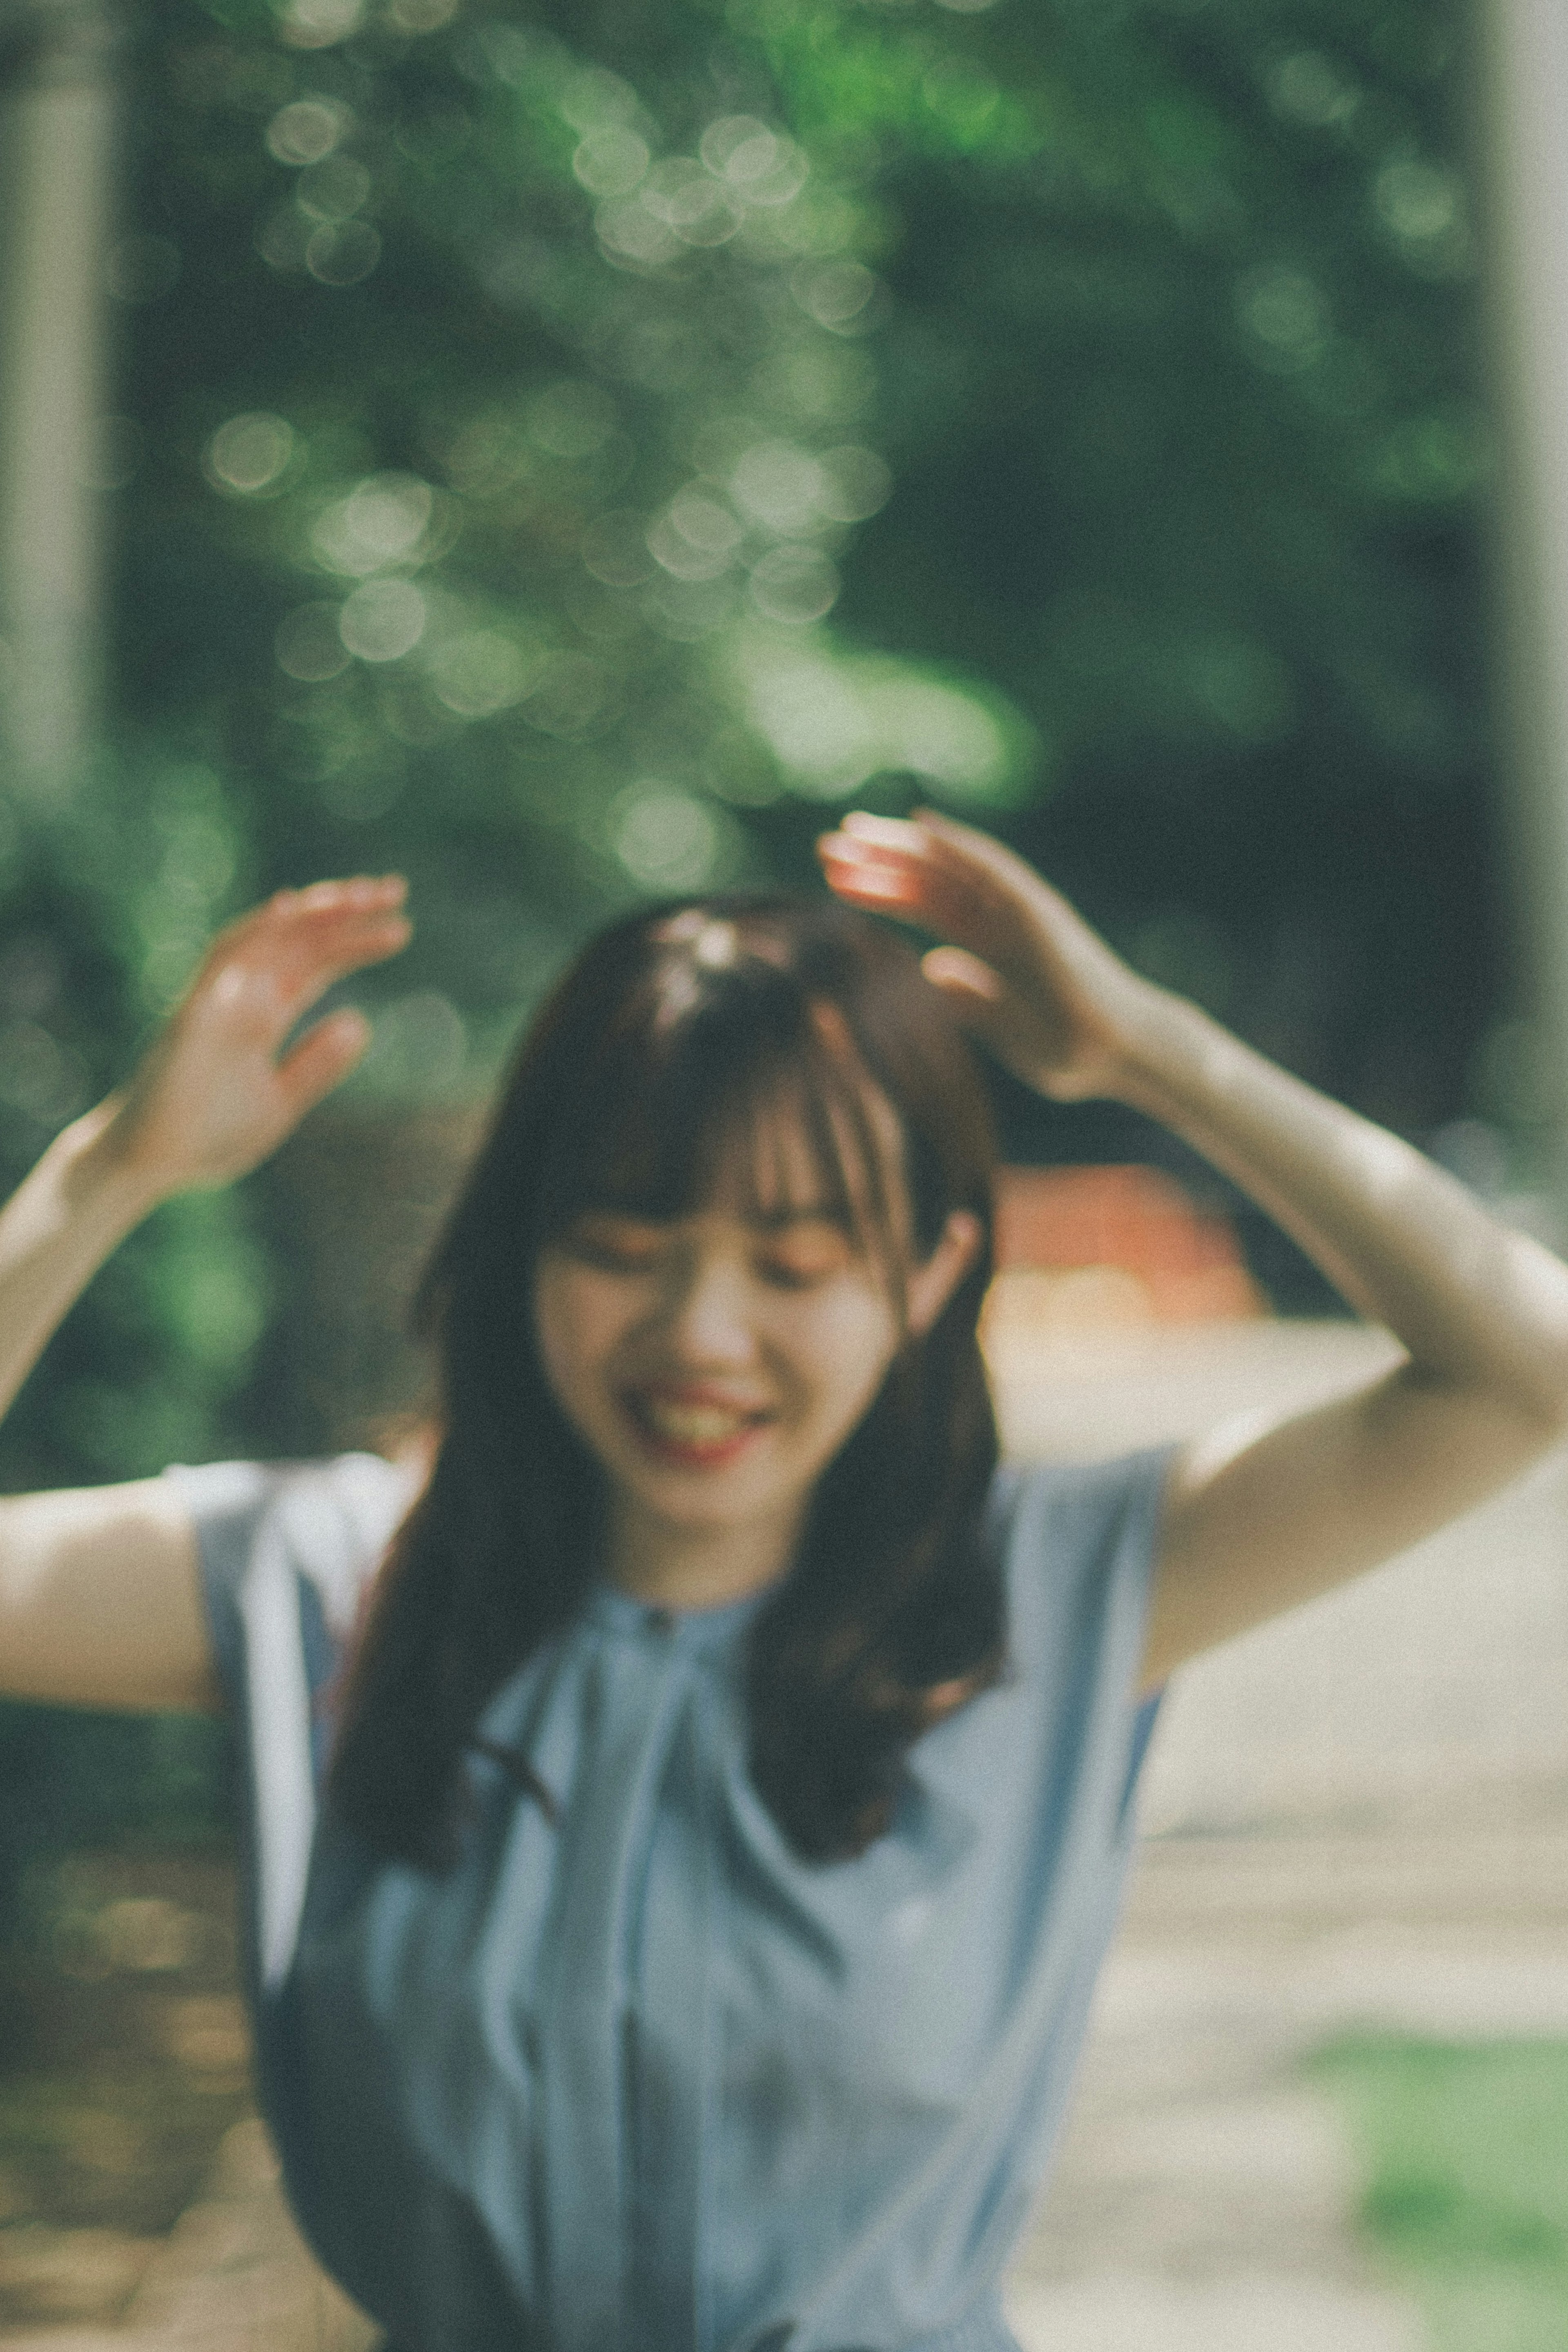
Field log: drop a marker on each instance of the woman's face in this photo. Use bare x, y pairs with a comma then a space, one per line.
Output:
716, 1363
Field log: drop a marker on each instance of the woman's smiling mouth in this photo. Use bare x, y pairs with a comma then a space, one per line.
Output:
697, 1428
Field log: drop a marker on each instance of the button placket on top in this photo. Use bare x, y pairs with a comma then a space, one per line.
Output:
638, 1682
670, 2073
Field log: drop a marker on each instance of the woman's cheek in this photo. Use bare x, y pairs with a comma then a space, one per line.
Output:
854, 1343
576, 1318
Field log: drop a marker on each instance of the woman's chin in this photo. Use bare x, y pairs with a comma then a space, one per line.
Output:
738, 1486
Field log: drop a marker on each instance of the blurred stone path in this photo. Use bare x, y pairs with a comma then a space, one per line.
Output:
1204, 2196
232, 2276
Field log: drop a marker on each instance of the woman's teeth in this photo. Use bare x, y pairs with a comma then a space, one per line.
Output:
694, 1425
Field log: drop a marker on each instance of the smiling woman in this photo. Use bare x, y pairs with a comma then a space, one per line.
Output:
743, 1167
749, 1334
628, 1803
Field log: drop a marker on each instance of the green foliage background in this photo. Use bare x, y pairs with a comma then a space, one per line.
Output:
564, 453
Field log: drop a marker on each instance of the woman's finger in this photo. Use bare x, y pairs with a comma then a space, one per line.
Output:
891, 864
347, 943
913, 884
987, 1008
938, 857
322, 1058
963, 977
866, 883
952, 844
1005, 882
881, 832
976, 993
364, 892
333, 923
278, 963
295, 915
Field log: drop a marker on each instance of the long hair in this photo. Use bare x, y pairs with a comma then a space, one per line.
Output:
677, 1033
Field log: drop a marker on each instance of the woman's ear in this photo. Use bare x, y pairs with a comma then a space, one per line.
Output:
933, 1282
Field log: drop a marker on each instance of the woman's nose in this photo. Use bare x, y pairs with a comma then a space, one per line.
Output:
706, 1313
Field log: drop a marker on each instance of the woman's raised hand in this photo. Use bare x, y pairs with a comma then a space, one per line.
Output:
215, 1092
1025, 972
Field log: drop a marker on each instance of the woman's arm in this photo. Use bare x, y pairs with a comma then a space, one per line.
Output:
1257, 1521
99, 1601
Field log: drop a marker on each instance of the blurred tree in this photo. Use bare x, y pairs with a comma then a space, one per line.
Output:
545, 370
558, 450
1191, 410
562, 451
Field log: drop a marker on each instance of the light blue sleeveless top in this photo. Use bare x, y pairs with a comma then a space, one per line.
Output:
638, 2079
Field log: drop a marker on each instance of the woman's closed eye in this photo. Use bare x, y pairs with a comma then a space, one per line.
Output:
805, 1255
617, 1244
798, 1254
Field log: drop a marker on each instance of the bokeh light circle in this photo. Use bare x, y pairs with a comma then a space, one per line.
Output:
249, 455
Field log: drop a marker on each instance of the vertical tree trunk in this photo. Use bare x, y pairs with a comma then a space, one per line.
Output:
56, 141
1524, 153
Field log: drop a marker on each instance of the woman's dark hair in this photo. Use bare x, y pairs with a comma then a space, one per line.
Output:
671, 1039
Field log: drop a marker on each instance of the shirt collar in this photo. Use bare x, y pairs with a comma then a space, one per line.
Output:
618, 1613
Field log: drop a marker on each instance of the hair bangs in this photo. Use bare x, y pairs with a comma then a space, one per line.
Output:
726, 1078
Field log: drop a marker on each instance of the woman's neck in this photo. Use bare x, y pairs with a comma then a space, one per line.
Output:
673, 1566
